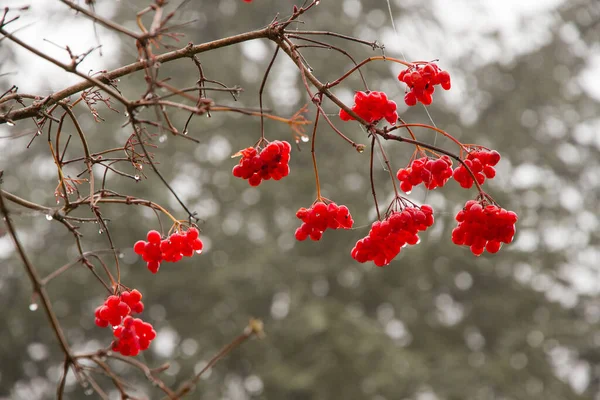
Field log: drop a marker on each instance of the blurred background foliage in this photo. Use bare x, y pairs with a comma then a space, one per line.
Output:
437, 323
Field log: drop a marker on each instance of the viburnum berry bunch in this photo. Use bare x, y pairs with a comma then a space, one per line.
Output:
321, 216
115, 308
421, 79
432, 173
386, 238
270, 162
481, 163
372, 106
484, 227
133, 336
172, 249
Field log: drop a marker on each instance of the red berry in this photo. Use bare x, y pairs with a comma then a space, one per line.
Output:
139, 247
153, 237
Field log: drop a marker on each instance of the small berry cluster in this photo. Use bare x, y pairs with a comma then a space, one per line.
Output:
132, 334
386, 238
371, 107
421, 79
171, 249
482, 163
483, 227
131, 337
432, 172
115, 308
271, 162
319, 217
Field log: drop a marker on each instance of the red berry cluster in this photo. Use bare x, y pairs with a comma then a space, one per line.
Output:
271, 162
115, 308
171, 249
482, 163
484, 227
131, 337
371, 107
386, 238
432, 172
421, 79
319, 217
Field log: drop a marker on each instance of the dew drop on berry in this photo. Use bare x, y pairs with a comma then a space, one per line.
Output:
49, 217
33, 306
198, 251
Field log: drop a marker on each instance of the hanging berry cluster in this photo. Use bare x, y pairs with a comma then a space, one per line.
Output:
484, 227
171, 249
431, 172
115, 308
386, 238
272, 162
321, 216
132, 335
421, 80
372, 106
481, 163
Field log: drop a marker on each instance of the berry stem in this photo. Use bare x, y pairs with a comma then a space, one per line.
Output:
358, 147
449, 136
388, 165
290, 121
312, 151
65, 267
323, 45
128, 200
260, 93
360, 64
372, 180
